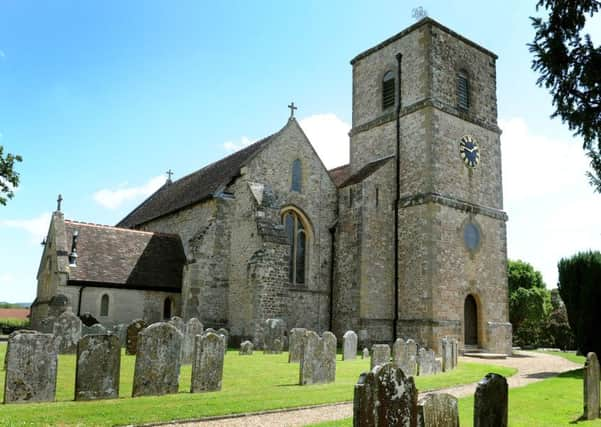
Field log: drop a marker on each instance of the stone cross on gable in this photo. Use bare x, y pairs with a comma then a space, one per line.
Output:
169, 174
58, 202
292, 108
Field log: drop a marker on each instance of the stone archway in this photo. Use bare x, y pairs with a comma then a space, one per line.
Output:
470, 321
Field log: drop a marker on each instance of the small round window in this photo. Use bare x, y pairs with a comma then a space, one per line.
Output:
471, 236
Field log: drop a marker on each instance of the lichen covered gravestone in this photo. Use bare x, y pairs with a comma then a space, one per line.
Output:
318, 362
225, 335
67, 332
446, 351
349, 345
380, 355
98, 367
404, 356
157, 360
365, 353
426, 362
246, 348
437, 409
133, 330
95, 329
193, 328
273, 329
591, 387
295, 346
385, 397
207, 367
30, 365
490, 402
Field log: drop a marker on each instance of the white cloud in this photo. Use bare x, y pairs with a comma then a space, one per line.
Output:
36, 227
114, 198
7, 280
329, 136
233, 146
2, 54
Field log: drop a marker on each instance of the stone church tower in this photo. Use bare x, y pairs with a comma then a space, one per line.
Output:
430, 94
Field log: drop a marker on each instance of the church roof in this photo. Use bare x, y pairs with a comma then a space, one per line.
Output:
365, 172
119, 257
340, 174
196, 187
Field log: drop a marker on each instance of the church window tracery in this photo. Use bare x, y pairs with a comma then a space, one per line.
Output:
104, 305
296, 230
463, 90
297, 176
388, 85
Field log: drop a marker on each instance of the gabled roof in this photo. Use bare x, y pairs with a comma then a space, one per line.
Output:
125, 258
365, 171
193, 188
340, 174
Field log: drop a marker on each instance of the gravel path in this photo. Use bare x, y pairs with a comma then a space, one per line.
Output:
531, 366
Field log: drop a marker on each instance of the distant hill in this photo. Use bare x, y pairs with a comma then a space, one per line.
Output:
14, 304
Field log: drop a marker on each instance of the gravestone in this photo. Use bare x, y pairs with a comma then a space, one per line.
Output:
273, 329
295, 345
277, 346
30, 365
365, 353
179, 324
213, 331
437, 409
455, 351
121, 331
426, 362
349, 345
591, 387
133, 330
385, 397
246, 348
47, 325
380, 355
157, 360
96, 329
490, 402
318, 362
446, 351
404, 356
193, 328
67, 332
207, 367
98, 367
225, 334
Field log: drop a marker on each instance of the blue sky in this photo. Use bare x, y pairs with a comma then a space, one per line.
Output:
101, 98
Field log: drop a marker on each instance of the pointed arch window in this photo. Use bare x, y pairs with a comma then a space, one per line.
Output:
297, 232
104, 305
388, 85
463, 91
297, 176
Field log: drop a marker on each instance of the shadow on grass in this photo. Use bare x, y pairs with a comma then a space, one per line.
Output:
576, 373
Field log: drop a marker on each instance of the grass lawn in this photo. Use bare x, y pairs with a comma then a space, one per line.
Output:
572, 357
251, 383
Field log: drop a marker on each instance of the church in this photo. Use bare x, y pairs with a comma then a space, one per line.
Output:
407, 240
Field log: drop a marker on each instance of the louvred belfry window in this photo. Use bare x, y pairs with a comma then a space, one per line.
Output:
463, 91
388, 85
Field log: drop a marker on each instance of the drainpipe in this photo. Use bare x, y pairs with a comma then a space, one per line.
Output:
332, 260
399, 58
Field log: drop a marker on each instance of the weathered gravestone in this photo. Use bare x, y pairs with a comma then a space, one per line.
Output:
318, 362
446, 351
365, 353
179, 324
30, 365
455, 351
490, 402
96, 329
157, 360
295, 344
278, 346
133, 330
437, 409
207, 367
225, 334
591, 387
426, 362
404, 356
380, 355
193, 328
46, 325
98, 367
273, 329
121, 331
246, 348
385, 397
349, 345
67, 332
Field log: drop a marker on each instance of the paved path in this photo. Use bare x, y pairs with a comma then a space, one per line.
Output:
531, 366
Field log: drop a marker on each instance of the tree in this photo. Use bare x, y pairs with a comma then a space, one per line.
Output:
9, 178
570, 66
580, 288
528, 296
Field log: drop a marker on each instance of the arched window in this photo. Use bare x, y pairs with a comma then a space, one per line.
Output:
297, 236
388, 84
297, 176
463, 91
104, 305
167, 308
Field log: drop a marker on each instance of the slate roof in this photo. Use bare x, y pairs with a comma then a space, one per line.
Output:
340, 174
365, 171
126, 258
196, 187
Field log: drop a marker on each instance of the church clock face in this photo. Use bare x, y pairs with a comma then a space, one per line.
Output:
470, 153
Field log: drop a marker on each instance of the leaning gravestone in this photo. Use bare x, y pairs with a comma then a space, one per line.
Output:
384, 397
404, 356
490, 402
98, 367
591, 387
133, 330
246, 348
157, 360
437, 409
67, 331
207, 367
365, 353
380, 355
318, 362
426, 362
295, 345
349, 345
30, 364
273, 329
193, 328
96, 329
446, 351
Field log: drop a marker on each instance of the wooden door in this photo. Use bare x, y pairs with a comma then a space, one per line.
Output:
470, 321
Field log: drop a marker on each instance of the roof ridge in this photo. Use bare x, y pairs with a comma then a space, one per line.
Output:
112, 227
339, 167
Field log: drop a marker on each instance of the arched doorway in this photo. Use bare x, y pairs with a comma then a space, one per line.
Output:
470, 321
